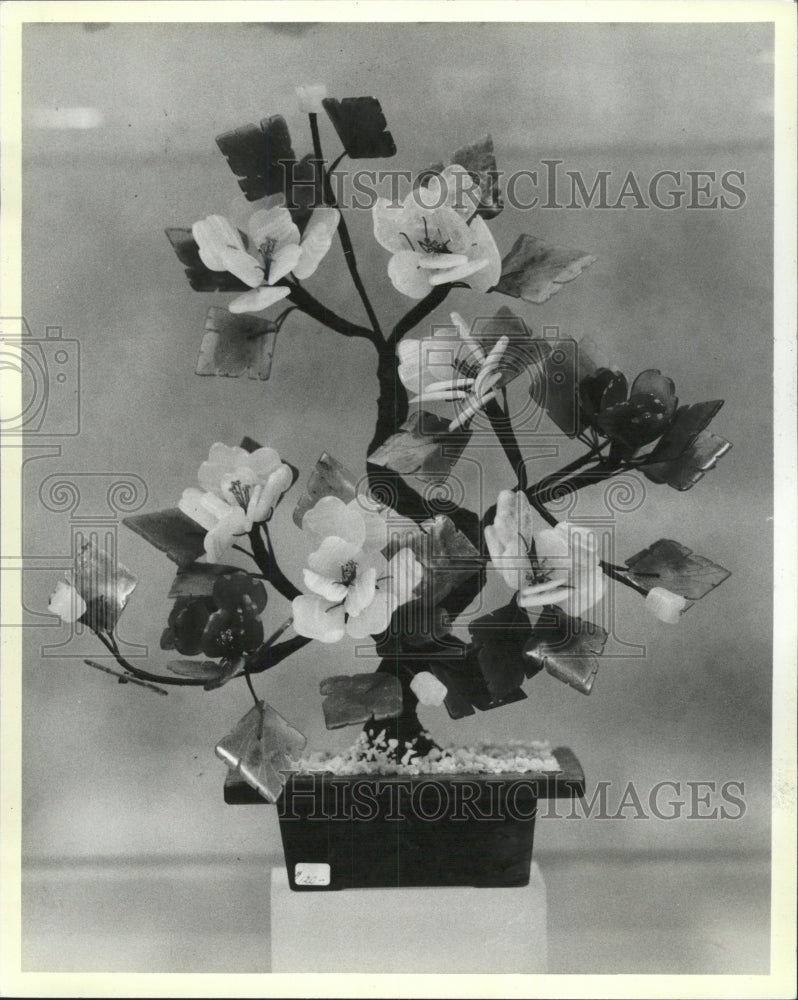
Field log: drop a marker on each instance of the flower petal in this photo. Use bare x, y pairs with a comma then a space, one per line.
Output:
66, 602
331, 516
332, 555
270, 495
385, 217
361, 592
373, 619
316, 618
484, 248
283, 261
222, 535
317, 240
407, 276
440, 261
216, 237
203, 507
272, 224
258, 299
458, 273
330, 590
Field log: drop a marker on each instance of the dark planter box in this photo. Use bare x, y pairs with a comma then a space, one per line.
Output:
378, 831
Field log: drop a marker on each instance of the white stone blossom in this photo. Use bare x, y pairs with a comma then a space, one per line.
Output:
436, 370
310, 97
238, 490
665, 605
66, 602
273, 250
428, 689
559, 565
353, 588
435, 237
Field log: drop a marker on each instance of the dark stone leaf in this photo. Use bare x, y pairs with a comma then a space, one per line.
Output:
423, 447
238, 591
349, 700
103, 583
523, 352
534, 270
201, 670
260, 748
479, 160
201, 278
466, 687
652, 382
600, 390
447, 556
676, 568
329, 478
567, 647
260, 156
198, 580
305, 190
187, 621
236, 344
499, 639
171, 531
687, 424
361, 126
683, 473
567, 366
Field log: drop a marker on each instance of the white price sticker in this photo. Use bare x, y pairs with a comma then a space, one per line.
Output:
312, 873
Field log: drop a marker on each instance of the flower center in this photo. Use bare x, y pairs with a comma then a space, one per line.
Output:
348, 573
428, 244
241, 492
267, 249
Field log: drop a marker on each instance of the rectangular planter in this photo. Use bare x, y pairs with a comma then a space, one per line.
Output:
378, 831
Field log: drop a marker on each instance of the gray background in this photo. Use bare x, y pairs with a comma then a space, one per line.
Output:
116, 778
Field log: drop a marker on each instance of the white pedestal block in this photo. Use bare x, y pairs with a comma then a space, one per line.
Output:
458, 929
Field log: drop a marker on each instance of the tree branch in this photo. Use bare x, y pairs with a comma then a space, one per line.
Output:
312, 307
421, 309
343, 229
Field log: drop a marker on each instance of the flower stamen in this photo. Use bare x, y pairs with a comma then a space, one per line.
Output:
348, 573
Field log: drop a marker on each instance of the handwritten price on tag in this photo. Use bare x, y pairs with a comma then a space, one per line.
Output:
312, 873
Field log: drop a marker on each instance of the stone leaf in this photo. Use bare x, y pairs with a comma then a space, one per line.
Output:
260, 748
499, 639
350, 700
466, 688
171, 531
104, 584
675, 567
201, 670
361, 126
423, 447
534, 270
447, 556
234, 344
329, 478
568, 365
683, 473
687, 424
479, 160
260, 156
567, 647
523, 352
198, 579
201, 278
